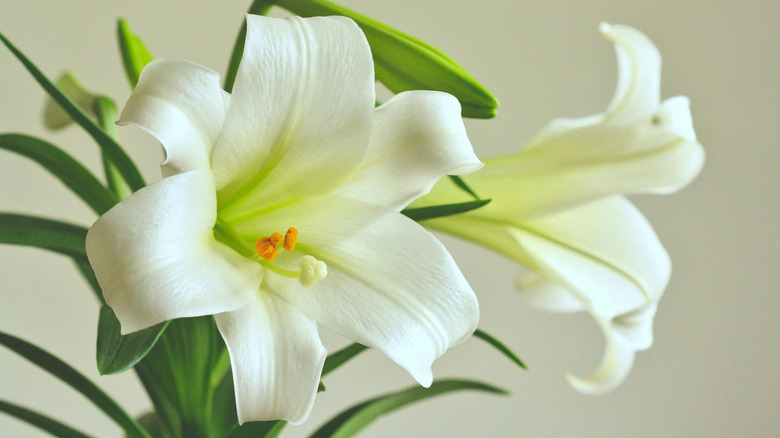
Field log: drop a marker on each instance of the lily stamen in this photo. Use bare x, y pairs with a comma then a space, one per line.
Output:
268, 247
290, 237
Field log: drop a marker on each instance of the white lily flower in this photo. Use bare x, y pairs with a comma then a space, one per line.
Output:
557, 207
279, 210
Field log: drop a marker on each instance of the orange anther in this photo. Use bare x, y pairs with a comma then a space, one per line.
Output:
276, 239
290, 238
266, 249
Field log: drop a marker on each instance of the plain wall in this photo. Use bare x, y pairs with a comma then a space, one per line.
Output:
713, 369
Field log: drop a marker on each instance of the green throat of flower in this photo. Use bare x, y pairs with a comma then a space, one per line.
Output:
266, 249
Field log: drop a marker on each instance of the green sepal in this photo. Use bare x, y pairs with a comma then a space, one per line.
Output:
134, 53
354, 419
40, 421
258, 7
75, 176
54, 117
435, 211
107, 144
404, 63
77, 381
116, 352
498, 345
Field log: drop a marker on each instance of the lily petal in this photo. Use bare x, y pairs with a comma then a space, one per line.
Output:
276, 357
604, 251
300, 114
155, 256
391, 285
675, 116
545, 294
636, 328
418, 137
182, 105
638, 90
615, 366
580, 166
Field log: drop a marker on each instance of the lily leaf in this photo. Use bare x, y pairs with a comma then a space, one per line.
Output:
435, 211
134, 53
404, 63
341, 357
106, 143
77, 381
500, 347
354, 419
463, 186
80, 180
61, 237
40, 421
117, 353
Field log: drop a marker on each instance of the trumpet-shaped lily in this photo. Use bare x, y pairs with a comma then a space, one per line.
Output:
557, 207
279, 209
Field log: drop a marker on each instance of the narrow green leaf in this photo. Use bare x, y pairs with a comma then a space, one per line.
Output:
434, 211
340, 357
354, 419
75, 380
106, 143
500, 347
117, 353
107, 115
134, 53
75, 176
61, 237
403, 62
259, 7
463, 186
86, 271
40, 421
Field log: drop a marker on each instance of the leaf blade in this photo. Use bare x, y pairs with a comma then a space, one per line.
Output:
341, 357
40, 421
354, 419
61, 237
75, 380
116, 352
435, 211
500, 347
74, 175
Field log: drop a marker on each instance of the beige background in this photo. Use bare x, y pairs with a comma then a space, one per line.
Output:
713, 369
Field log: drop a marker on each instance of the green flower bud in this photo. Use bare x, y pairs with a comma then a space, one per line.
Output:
403, 62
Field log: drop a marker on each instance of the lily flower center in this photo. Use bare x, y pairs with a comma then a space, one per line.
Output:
311, 269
